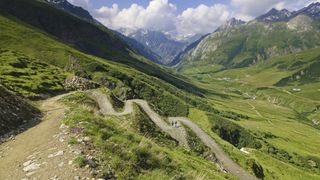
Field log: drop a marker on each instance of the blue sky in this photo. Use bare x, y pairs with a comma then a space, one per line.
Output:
181, 4
180, 18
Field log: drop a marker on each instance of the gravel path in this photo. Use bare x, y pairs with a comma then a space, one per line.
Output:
41, 152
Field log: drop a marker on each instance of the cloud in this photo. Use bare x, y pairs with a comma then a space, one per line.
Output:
81, 3
202, 19
248, 9
159, 15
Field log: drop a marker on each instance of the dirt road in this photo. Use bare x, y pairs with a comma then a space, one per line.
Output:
42, 151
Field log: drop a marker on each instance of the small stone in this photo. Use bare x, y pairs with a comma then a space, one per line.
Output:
61, 140
86, 139
77, 177
31, 167
27, 163
63, 126
59, 153
76, 151
61, 164
70, 162
92, 163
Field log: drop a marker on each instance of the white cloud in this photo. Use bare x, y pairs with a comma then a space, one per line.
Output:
202, 19
81, 3
159, 15
162, 16
248, 9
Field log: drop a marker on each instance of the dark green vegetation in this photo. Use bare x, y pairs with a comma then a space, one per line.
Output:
14, 111
235, 134
132, 147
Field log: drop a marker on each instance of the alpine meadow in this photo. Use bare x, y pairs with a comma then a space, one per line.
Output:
159, 89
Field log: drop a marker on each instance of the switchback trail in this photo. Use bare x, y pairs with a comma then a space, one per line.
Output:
179, 133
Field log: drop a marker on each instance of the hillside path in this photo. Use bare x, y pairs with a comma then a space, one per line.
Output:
41, 152
179, 133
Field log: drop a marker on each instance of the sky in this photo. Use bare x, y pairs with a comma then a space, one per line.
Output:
180, 17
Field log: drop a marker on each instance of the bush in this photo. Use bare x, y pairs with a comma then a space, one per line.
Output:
234, 134
256, 168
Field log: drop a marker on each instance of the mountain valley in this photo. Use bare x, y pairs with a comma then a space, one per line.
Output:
81, 101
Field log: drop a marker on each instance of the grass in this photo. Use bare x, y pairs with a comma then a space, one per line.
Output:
80, 161
133, 151
279, 117
29, 77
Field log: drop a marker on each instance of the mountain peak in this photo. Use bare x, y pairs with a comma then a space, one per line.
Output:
72, 9
275, 15
231, 23
313, 11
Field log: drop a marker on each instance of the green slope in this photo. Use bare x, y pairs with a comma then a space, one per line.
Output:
248, 44
87, 37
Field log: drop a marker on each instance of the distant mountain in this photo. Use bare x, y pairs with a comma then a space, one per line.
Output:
75, 10
161, 44
276, 33
275, 15
142, 49
178, 58
233, 22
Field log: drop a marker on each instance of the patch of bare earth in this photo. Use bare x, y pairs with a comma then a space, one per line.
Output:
42, 152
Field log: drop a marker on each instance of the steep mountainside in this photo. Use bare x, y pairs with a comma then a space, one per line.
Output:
142, 49
14, 111
255, 41
160, 44
78, 11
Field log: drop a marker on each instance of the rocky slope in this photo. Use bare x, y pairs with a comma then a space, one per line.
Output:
14, 111
75, 10
161, 44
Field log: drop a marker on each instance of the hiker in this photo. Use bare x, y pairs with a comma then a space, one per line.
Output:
172, 123
175, 124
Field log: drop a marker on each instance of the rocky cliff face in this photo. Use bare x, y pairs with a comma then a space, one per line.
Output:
14, 112
275, 15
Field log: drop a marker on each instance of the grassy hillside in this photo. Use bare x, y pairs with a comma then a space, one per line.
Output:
87, 37
29, 77
282, 110
132, 147
248, 44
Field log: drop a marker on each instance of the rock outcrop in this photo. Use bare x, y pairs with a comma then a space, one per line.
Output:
79, 83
